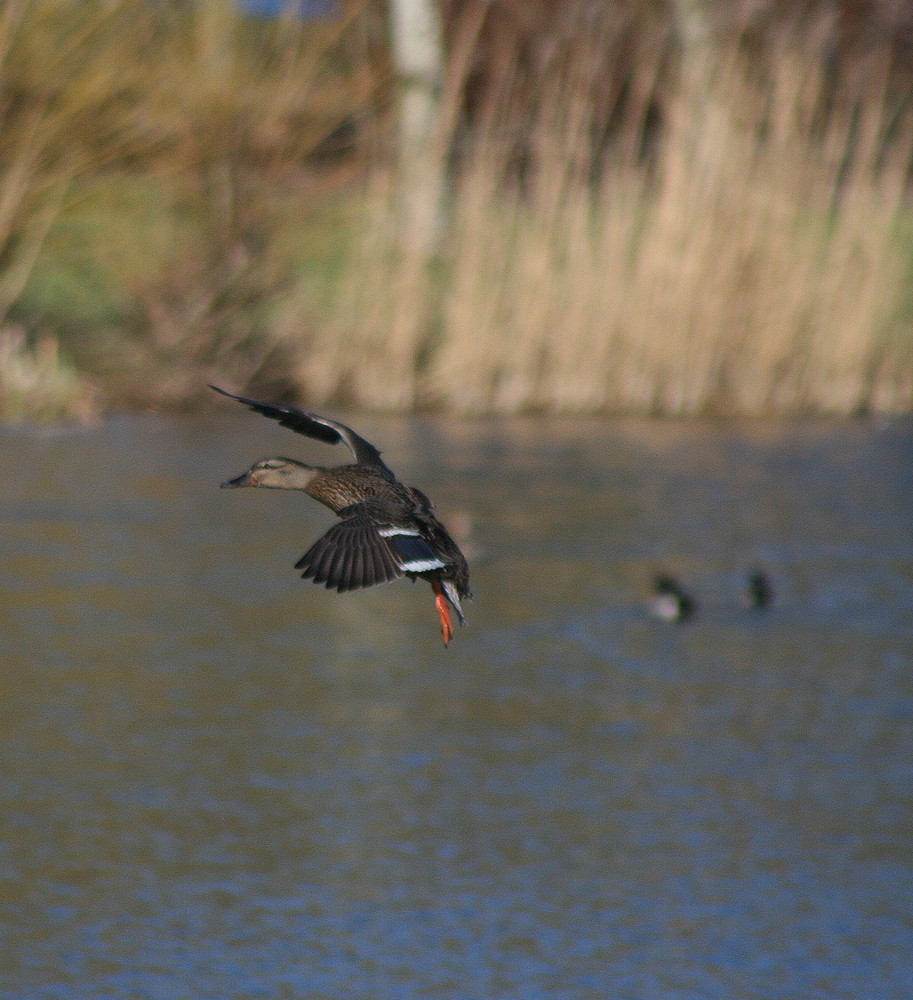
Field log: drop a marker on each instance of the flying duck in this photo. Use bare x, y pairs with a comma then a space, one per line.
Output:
386, 530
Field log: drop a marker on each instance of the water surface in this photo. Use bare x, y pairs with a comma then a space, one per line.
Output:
220, 781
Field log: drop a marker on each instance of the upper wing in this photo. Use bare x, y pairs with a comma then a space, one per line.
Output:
313, 426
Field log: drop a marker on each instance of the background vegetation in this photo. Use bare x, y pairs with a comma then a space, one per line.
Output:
644, 207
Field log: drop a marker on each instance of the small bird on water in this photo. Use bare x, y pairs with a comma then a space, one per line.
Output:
671, 603
386, 530
758, 592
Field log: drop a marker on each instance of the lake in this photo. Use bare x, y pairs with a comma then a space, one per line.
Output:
220, 781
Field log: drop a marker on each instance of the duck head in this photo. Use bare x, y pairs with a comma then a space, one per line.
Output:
275, 473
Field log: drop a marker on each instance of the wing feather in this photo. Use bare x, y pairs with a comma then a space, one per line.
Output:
373, 573
341, 570
390, 568
325, 566
313, 426
356, 570
349, 556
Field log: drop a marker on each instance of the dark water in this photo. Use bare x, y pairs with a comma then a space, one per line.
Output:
218, 781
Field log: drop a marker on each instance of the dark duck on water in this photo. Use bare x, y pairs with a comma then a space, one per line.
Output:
386, 530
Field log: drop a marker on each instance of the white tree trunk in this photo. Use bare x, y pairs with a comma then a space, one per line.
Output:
418, 56
702, 113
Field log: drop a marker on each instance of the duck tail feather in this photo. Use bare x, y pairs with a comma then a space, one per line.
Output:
450, 592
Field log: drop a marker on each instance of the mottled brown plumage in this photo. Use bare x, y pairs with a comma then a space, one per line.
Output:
386, 529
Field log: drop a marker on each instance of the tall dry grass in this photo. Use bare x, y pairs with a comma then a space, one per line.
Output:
754, 263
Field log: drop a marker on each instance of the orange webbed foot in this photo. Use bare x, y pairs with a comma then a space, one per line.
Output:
440, 602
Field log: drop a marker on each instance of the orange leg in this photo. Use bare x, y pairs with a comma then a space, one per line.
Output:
441, 604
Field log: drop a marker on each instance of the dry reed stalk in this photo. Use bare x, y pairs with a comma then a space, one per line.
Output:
370, 354
373, 352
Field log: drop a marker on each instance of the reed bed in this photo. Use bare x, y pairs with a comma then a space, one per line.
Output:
754, 264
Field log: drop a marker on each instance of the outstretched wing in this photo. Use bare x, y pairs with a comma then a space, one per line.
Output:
313, 426
366, 548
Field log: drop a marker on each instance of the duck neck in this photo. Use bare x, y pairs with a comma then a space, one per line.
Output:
299, 476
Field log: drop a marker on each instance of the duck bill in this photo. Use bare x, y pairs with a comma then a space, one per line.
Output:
243, 480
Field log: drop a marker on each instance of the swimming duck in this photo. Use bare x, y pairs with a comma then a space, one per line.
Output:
758, 592
671, 603
386, 530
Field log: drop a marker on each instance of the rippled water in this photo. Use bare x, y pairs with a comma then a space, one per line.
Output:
219, 781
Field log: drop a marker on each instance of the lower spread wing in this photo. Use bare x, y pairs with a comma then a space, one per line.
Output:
361, 551
350, 555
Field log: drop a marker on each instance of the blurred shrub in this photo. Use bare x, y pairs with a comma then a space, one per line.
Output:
37, 383
150, 156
